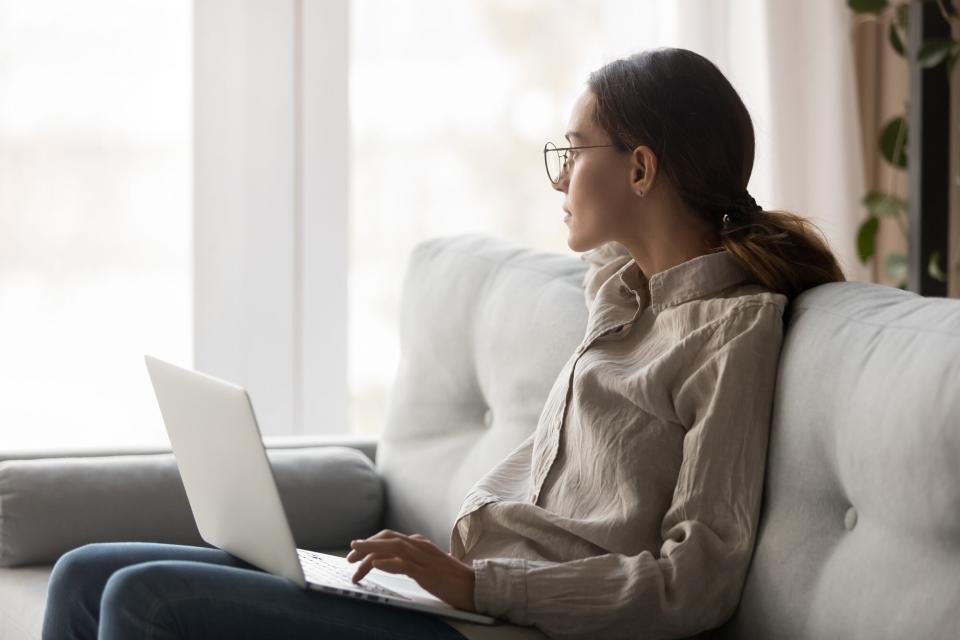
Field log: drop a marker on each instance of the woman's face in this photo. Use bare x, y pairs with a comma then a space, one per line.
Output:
598, 198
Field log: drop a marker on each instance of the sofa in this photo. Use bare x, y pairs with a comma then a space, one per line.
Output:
859, 533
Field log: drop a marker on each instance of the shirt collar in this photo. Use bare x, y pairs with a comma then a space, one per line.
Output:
696, 278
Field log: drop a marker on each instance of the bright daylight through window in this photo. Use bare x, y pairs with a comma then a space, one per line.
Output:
95, 239
450, 106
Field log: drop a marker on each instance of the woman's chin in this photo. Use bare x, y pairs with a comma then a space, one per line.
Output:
575, 243
575, 239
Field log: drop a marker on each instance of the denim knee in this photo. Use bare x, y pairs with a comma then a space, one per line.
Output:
132, 588
72, 598
133, 600
74, 567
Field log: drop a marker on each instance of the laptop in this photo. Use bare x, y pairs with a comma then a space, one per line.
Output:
234, 498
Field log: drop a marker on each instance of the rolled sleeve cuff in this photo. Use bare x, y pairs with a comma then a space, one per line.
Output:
500, 588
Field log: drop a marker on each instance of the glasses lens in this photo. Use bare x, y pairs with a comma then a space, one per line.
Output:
552, 159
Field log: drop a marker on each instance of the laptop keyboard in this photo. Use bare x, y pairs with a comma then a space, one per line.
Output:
317, 569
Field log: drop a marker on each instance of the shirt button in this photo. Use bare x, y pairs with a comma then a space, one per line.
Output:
581, 349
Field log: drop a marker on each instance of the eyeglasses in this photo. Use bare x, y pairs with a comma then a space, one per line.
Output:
555, 158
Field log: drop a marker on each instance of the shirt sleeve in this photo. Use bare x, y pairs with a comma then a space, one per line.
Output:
694, 582
509, 480
602, 262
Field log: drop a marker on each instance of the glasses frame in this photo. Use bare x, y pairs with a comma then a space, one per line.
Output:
563, 156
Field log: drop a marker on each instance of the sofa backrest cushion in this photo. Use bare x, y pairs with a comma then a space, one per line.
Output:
485, 328
861, 511
860, 523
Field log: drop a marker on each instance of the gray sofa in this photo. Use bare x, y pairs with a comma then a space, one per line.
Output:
860, 527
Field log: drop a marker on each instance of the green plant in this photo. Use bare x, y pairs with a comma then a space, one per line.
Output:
892, 142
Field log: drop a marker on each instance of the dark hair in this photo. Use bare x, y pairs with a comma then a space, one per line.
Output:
681, 105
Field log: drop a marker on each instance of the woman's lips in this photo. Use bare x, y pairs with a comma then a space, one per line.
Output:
567, 217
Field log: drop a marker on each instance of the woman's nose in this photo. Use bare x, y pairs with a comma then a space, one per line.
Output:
561, 185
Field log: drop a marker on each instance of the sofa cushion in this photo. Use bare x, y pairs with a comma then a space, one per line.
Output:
23, 593
485, 327
860, 520
48, 506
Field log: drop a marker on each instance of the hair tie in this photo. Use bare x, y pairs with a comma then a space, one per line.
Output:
751, 204
747, 204
742, 205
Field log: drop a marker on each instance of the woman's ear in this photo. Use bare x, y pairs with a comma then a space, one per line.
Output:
643, 170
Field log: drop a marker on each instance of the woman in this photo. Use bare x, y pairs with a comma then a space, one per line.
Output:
631, 511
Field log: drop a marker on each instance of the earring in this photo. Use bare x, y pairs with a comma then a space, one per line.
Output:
641, 194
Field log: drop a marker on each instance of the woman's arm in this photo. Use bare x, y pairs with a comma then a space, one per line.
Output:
694, 581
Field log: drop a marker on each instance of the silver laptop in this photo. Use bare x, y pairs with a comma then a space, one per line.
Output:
234, 497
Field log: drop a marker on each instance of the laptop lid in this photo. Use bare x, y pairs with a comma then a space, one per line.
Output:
228, 479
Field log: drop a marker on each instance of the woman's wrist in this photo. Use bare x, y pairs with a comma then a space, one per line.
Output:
468, 582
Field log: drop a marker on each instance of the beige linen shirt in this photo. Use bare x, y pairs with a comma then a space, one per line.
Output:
631, 511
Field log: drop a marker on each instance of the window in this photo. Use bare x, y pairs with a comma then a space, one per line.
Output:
95, 224
101, 204
450, 107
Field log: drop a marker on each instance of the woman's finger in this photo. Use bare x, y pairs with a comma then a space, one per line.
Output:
367, 564
428, 549
395, 565
390, 546
367, 551
386, 533
424, 543
380, 535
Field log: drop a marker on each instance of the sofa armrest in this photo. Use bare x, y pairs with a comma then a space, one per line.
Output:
364, 443
50, 505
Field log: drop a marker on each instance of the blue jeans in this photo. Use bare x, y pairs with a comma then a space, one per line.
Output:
132, 590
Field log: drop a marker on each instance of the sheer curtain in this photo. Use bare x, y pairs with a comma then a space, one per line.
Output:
792, 63
883, 85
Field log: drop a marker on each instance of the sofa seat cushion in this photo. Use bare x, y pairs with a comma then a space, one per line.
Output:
23, 593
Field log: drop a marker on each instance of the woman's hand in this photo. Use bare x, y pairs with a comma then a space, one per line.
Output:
433, 568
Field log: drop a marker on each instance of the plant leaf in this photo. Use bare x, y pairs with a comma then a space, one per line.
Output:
896, 266
867, 6
895, 40
902, 14
867, 238
933, 267
933, 51
883, 204
888, 142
